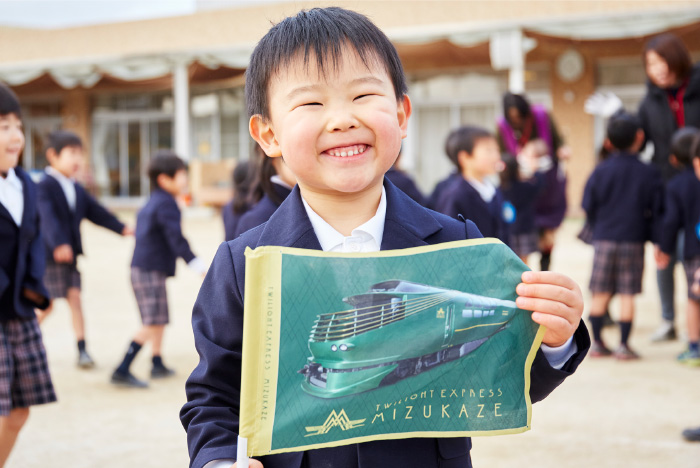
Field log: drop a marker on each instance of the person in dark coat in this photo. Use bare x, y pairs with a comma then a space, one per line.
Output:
63, 204
24, 371
338, 122
672, 101
525, 124
159, 243
240, 204
272, 182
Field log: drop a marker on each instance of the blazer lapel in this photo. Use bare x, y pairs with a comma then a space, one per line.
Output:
5, 213
290, 226
407, 223
57, 193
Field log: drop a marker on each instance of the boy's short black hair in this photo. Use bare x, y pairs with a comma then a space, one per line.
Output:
9, 104
60, 139
622, 130
323, 32
164, 162
682, 144
464, 139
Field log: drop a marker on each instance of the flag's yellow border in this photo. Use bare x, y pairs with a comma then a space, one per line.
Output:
258, 370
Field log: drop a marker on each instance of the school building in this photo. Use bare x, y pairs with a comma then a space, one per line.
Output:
130, 88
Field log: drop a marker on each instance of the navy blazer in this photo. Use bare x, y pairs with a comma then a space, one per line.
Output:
460, 198
440, 187
21, 257
682, 211
522, 195
406, 185
623, 200
231, 220
210, 415
159, 239
261, 211
60, 225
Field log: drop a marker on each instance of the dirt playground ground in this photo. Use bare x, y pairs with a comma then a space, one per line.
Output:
609, 414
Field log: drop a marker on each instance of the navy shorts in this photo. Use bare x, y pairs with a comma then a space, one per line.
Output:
524, 244
24, 369
59, 277
691, 266
617, 267
151, 296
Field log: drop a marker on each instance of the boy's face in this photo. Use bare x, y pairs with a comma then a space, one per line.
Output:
485, 159
338, 133
11, 141
175, 185
68, 162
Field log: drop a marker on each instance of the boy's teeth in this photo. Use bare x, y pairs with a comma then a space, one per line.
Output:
348, 151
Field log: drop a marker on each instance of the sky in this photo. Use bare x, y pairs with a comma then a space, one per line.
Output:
65, 13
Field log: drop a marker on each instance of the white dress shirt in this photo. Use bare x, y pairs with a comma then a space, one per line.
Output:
67, 185
12, 196
368, 238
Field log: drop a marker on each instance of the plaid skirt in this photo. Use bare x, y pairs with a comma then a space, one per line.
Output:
617, 267
691, 266
59, 277
24, 369
524, 244
151, 296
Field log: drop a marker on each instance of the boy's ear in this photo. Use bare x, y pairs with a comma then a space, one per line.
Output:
262, 132
51, 155
607, 145
404, 113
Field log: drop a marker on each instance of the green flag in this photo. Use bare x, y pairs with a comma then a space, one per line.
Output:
343, 348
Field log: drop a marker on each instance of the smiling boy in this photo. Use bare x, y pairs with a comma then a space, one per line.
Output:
326, 91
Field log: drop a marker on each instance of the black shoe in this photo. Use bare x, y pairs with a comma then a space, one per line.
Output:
161, 372
127, 380
85, 361
692, 435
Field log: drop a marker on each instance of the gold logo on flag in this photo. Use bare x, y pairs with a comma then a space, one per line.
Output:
440, 313
335, 419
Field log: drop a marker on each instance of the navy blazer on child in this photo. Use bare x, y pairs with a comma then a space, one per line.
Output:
460, 198
213, 390
623, 200
682, 211
261, 211
159, 239
61, 225
22, 258
522, 195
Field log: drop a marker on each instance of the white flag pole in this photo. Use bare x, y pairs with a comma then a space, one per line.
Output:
242, 452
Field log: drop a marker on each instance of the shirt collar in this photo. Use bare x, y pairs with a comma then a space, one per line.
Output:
485, 189
12, 179
58, 176
329, 238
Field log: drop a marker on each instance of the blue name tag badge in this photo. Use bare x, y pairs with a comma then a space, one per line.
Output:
508, 212
697, 231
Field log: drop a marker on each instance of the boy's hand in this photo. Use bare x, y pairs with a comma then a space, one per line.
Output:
662, 259
556, 302
63, 254
128, 231
251, 463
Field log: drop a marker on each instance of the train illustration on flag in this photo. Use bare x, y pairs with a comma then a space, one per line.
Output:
397, 330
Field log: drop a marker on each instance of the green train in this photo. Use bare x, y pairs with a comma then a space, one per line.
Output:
397, 330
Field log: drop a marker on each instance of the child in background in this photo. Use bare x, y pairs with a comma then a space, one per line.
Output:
325, 90
159, 242
63, 204
475, 152
622, 199
24, 370
272, 182
404, 182
237, 207
682, 212
521, 186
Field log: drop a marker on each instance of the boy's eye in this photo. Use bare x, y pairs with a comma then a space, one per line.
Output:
362, 96
311, 104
